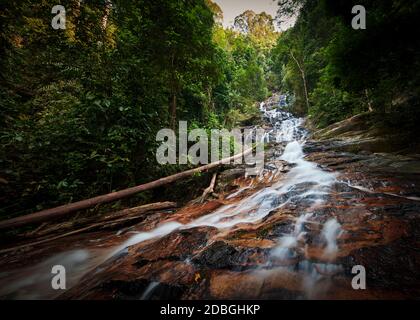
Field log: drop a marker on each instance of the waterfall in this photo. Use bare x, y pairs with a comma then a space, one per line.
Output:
288, 130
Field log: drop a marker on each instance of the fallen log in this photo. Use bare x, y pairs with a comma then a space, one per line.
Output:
140, 210
133, 213
63, 210
46, 228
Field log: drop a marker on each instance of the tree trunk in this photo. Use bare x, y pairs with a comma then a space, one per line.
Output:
209, 98
172, 111
113, 220
105, 16
302, 71
369, 102
174, 92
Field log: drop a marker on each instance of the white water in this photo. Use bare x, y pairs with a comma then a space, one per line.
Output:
287, 243
161, 231
330, 232
149, 290
256, 207
318, 185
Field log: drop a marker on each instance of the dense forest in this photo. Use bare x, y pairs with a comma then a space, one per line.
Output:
347, 71
80, 107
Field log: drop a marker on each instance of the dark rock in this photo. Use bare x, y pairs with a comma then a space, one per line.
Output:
176, 246
218, 255
135, 289
394, 265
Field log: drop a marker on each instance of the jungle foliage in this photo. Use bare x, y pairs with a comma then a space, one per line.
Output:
80, 107
349, 71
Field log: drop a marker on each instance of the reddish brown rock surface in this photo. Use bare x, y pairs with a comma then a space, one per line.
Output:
198, 253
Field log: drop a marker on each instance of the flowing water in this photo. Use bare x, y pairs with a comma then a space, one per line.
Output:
286, 128
304, 188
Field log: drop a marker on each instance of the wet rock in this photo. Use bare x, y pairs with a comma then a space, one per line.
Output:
125, 289
194, 210
176, 246
225, 179
391, 266
278, 230
221, 255
254, 285
218, 255
141, 289
355, 123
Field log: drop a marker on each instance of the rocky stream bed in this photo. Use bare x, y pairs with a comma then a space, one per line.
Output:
293, 232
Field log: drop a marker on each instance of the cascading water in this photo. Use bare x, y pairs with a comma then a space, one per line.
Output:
254, 208
304, 183
317, 185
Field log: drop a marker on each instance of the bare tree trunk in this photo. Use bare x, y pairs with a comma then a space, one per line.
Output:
302, 71
105, 16
210, 101
113, 220
369, 102
172, 111
174, 91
